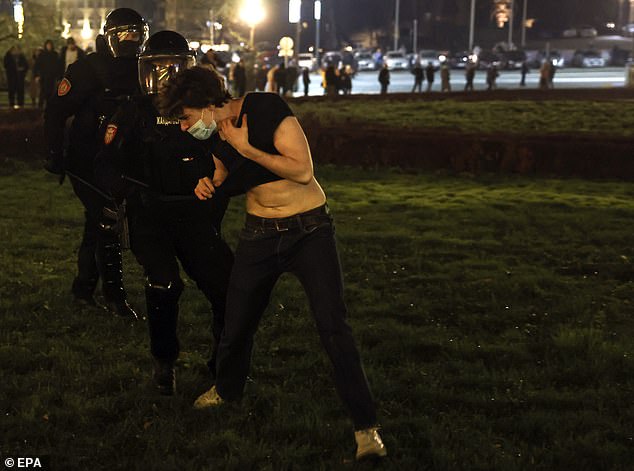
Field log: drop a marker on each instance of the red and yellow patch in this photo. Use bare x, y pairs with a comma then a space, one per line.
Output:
64, 87
111, 132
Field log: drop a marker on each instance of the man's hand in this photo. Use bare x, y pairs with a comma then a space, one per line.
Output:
205, 189
237, 137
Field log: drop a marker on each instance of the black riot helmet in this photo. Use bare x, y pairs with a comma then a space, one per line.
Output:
125, 32
164, 55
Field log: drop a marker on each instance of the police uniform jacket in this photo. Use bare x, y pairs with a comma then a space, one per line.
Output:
90, 91
147, 159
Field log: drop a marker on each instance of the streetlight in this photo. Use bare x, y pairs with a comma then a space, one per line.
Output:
252, 13
471, 25
317, 16
396, 23
18, 16
295, 16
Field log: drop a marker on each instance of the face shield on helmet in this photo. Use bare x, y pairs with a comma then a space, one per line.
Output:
125, 31
165, 54
156, 69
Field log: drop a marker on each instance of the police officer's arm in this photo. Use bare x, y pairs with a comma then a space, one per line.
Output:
72, 92
206, 186
294, 161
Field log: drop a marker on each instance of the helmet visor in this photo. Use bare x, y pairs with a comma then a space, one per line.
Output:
126, 41
155, 70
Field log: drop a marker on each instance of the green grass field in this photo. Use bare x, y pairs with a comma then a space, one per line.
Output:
494, 316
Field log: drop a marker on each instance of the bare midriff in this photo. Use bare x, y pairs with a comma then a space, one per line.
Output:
284, 198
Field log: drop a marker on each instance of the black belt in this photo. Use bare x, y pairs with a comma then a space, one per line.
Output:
308, 218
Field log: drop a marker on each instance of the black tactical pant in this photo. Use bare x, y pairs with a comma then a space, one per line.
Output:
99, 254
160, 237
305, 246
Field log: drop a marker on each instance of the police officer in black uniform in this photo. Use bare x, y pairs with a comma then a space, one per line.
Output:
90, 91
150, 162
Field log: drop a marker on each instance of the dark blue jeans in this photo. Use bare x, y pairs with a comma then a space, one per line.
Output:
304, 245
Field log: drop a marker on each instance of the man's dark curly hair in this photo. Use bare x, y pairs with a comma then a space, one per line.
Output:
196, 87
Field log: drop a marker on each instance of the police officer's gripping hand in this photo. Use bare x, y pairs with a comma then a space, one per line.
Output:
237, 137
204, 189
55, 165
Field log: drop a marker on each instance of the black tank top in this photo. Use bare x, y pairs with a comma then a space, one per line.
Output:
265, 112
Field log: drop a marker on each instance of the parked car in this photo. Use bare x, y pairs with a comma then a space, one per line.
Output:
365, 61
512, 59
628, 30
306, 60
554, 56
586, 31
429, 55
395, 60
569, 33
459, 60
587, 58
487, 59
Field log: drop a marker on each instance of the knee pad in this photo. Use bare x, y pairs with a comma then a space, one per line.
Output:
163, 292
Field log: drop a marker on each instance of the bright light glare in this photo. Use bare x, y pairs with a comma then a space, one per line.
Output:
294, 10
252, 12
194, 44
86, 32
610, 25
18, 12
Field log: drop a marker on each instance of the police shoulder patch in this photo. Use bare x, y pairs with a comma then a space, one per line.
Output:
64, 87
111, 132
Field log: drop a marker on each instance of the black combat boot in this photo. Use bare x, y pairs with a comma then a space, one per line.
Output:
164, 377
108, 255
162, 310
83, 290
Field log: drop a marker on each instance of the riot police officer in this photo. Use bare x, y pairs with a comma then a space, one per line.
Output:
89, 91
148, 160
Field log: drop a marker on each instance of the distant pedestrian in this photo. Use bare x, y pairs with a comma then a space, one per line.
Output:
445, 85
551, 75
260, 78
271, 85
524, 70
69, 54
430, 72
306, 80
469, 74
291, 79
418, 73
492, 75
34, 82
47, 70
544, 75
239, 79
330, 80
16, 67
384, 79
280, 79
345, 79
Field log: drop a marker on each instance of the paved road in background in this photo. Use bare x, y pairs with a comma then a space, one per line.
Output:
402, 81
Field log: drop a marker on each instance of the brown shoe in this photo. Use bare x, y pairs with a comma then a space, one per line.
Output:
369, 444
208, 399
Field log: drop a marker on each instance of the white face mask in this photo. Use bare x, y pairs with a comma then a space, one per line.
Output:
200, 131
